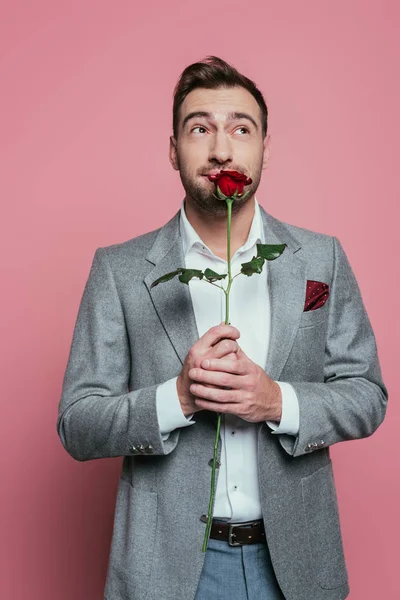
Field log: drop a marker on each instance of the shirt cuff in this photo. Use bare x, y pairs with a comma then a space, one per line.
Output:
290, 420
169, 411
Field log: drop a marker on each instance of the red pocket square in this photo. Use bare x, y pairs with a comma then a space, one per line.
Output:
317, 293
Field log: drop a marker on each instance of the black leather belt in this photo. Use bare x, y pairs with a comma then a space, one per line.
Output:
237, 534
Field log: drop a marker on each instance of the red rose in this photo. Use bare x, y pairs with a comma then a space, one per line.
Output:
230, 181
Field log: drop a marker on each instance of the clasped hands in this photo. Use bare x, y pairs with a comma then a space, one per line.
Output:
218, 376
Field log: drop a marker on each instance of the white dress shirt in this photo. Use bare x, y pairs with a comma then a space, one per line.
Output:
237, 496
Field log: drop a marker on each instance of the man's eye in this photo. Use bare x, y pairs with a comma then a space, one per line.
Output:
204, 129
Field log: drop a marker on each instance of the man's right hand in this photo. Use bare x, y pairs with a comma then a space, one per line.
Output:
217, 342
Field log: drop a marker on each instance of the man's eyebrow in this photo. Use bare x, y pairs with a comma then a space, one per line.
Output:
232, 116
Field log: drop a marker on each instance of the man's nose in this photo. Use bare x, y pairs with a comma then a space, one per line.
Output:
221, 148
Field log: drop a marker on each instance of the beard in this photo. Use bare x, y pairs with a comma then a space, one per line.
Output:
201, 190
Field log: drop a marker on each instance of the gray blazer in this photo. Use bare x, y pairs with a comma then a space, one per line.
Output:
128, 339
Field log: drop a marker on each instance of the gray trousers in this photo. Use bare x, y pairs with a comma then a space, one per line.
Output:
237, 573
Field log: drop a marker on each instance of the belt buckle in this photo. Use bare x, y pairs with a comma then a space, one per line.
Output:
231, 534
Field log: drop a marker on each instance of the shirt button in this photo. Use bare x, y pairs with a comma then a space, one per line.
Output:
233, 432
235, 487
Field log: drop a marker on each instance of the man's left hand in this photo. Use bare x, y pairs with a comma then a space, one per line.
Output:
251, 394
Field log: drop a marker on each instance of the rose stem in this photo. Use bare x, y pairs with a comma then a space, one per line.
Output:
212, 493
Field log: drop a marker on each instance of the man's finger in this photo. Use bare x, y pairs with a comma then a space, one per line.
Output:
223, 348
231, 356
231, 409
238, 367
215, 394
217, 333
215, 378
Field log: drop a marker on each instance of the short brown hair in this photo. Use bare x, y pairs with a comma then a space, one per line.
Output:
213, 73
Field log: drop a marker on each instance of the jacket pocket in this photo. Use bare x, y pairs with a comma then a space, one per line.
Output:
323, 528
310, 318
132, 545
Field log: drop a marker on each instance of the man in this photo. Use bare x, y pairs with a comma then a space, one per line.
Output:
150, 368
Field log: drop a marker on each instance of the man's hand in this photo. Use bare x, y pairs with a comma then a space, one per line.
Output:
218, 342
249, 393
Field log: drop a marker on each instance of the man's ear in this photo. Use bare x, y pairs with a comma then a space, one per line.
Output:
173, 157
267, 150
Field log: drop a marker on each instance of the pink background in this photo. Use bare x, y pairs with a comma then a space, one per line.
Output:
85, 118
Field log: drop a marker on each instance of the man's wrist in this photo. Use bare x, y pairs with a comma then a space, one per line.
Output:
275, 407
169, 410
185, 402
290, 419
187, 409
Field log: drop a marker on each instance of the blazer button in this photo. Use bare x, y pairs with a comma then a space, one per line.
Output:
217, 463
149, 449
141, 449
134, 449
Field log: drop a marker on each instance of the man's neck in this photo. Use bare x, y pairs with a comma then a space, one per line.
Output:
212, 229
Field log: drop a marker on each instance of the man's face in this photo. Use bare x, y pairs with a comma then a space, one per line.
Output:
217, 141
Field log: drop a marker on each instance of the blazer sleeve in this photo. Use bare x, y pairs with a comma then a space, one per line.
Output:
98, 417
351, 401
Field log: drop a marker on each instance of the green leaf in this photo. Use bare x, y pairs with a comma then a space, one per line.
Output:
270, 251
166, 277
255, 265
188, 274
211, 275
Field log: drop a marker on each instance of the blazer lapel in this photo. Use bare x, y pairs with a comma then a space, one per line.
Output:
172, 299
287, 280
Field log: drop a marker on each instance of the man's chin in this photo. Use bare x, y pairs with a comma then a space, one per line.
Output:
209, 204
213, 206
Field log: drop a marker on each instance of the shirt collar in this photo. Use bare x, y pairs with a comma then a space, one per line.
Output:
190, 237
